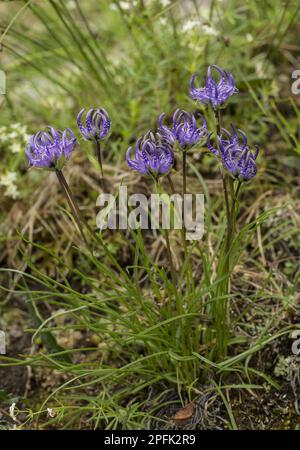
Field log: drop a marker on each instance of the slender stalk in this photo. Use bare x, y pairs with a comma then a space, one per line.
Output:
189, 280
234, 205
222, 316
184, 173
183, 229
72, 203
81, 222
226, 195
237, 191
217, 114
183, 238
184, 183
166, 234
170, 181
172, 268
221, 309
218, 120
99, 158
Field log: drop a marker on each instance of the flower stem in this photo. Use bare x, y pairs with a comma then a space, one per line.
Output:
221, 306
184, 166
166, 234
99, 158
172, 268
217, 114
170, 181
72, 203
81, 222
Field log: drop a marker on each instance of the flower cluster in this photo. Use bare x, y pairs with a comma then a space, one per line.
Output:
214, 92
185, 129
16, 135
50, 149
8, 181
153, 155
235, 154
97, 124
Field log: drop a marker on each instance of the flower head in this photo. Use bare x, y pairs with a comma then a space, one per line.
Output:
185, 129
153, 155
235, 154
50, 149
97, 124
214, 92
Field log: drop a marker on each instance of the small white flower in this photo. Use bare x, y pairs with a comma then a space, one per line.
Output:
8, 178
165, 3
12, 135
71, 4
51, 413
12, 191
259, 69
125, 5
163, 21
204, 28
249, 37
210, 31
16, 147
15, 126
3, 134
12, 412
22, 129
190, 24
8, 181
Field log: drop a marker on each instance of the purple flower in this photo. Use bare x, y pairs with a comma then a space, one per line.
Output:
235, 154
153, 155
214, 92
97, 124
51, 148
185, 129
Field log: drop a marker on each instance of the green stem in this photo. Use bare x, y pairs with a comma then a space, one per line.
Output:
183, 229
166, 234
81, 222
172, 268
221, 309
184, 173
72, 203
99, 158
217, 114
233, 213
170, 181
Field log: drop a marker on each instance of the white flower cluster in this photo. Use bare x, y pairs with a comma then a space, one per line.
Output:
8, 180
202, 27
126, 6
15, 136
